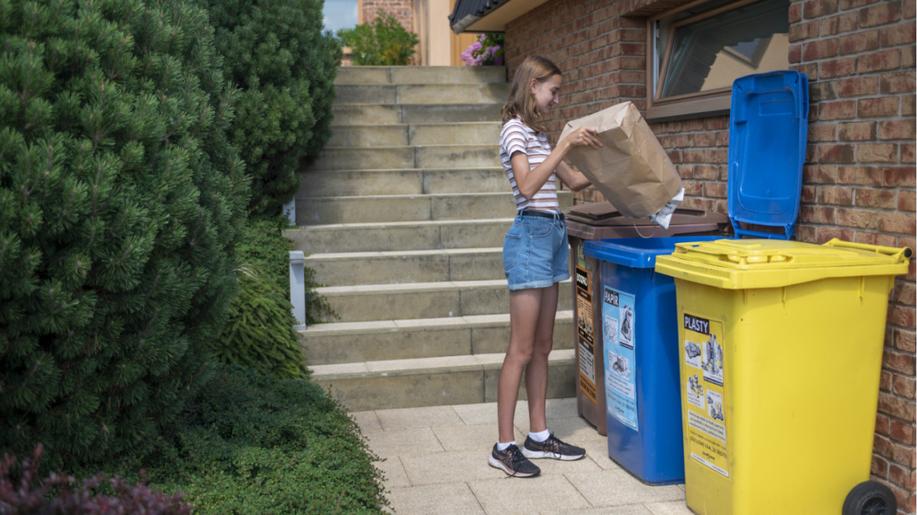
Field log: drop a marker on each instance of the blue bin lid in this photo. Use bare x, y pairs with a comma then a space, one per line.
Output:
637, 252
768, 122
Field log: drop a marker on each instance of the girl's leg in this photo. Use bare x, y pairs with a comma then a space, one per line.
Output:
524, 309
536, 375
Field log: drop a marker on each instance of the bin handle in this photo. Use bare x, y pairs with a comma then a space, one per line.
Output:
899, 253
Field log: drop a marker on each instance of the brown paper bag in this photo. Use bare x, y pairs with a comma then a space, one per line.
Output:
632, 170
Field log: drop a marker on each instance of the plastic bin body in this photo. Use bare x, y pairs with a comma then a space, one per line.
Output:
642, 392
783, 418
596, 221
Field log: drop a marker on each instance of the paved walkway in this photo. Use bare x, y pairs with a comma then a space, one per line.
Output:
435, 461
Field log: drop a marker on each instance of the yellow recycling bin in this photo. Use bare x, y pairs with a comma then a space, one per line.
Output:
781, 353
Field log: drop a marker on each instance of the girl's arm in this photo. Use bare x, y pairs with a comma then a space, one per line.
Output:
573, 178
530, 180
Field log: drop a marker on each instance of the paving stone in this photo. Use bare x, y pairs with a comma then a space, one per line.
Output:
616, 487
394, 473
453, 498
406, 418
536, 495
404, 442
367, 421
449, 467
669, 508
479, 437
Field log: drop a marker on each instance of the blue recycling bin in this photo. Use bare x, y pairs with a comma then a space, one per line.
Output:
639, 331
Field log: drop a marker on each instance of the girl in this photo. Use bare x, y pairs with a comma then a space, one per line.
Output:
535, 253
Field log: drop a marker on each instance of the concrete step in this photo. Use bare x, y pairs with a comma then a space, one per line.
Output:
466, 379
422, 94
389, 267
425, 300
407, 181
434, 234
404, 208
372, 113
351, 75
463, 133
351, 342
426, 156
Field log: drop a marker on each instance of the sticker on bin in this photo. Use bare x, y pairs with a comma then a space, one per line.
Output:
620, 349
705, 392
584, 332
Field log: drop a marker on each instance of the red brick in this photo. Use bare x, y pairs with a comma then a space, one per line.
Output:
905, 341
836, 68
836, 195
821, 91
856, 131
897, 129
795, 54
897, 82
901, 316
903, 293
903, 386
907, 153
881, 198
819, 174
898, 222
903, 176
908, 11
879, 467
896, 406
898, 476
881, 14
819, 49
847, 22
876, 153
900, 34
885, 384
817, 214
889, 59
882, 421
865, 175
906, 201
834, 153
901, 432
715, 189
907, 105
822, 132
850, 4
858, 42
795, 12
823, 234
857, 86
819, 8
877, 107
808, 194
853, 217
840, 110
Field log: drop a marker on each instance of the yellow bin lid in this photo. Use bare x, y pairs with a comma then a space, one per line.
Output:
746, 264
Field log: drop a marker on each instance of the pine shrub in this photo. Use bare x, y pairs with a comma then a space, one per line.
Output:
276, 55
120, 201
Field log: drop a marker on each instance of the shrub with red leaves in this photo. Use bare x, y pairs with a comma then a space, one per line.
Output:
21, 492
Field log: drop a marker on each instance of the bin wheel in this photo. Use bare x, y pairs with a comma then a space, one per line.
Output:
870, 498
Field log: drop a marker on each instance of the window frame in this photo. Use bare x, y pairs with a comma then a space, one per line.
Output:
690, 105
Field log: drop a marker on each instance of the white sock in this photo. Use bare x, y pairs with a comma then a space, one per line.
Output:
540, 436
501, 446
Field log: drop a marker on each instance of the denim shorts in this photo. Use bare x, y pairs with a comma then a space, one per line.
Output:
535, 252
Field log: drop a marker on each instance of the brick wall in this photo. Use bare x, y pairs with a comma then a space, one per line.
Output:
401, 9
859, 177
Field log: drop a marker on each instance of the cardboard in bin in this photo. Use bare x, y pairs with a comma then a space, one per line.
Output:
601, 220
631, 170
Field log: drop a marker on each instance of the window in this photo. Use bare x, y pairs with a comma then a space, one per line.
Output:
340, 14
699, 49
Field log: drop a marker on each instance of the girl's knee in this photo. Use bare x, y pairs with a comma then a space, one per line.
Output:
520, 353
542, 348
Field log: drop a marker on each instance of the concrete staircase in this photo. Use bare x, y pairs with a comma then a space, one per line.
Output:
402, 217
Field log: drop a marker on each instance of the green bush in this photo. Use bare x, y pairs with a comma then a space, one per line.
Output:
384, 42
256, 444
284, 67
120, 201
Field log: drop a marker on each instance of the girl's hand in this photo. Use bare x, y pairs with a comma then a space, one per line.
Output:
583, 137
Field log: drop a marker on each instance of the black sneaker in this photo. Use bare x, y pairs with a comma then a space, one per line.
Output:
513, 462
554, 448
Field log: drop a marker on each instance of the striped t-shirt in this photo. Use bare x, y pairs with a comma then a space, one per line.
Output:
516, 136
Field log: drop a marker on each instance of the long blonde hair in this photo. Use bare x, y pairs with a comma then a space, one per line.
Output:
521, 102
